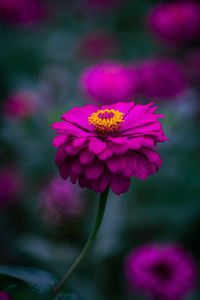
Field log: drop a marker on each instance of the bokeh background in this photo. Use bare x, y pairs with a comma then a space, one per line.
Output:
44, 48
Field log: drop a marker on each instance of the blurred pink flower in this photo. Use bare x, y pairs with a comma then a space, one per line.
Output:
176, 22
162, 78
4, 296
61, 201
102, 146
22, 12
98, 44
10, 185
166, 272
109, 82
20, 105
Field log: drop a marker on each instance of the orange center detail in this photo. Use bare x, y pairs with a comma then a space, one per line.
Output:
107, 122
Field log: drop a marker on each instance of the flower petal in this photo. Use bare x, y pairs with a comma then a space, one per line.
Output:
101, 183
123, 107
78, 116
86, 157
59, 140
77, 167
119, 184
116, 163
96, 145
94, 170
105, 154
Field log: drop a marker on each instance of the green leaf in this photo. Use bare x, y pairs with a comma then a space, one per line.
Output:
66, 297
40, 281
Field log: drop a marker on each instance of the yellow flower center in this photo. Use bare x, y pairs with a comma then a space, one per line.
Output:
107, 122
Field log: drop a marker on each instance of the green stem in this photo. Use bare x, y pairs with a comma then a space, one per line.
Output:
100, 213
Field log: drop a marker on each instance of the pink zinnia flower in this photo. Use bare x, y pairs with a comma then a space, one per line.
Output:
61, 201
98, 44
102, 146
22, 12
176, 22
20, 105
162, 78
166, 272
109, 82
4, 296
10, 185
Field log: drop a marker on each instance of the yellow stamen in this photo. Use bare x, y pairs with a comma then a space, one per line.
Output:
106, 122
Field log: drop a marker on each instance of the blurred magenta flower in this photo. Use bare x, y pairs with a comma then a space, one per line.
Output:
61, 201
20, 105
162, 271
22, 12
4, 296
98, 44
176, 22
109, 82
102, 146
10, 185
162, 78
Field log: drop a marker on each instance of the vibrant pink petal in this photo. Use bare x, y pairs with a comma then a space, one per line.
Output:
152, 155
105, 154
60, 155
94, 170
117, 163
118, 148
79, 142
79, 116
118, 140
73, 150
101, 183
123, 107
143, 166
119, 184
77, 167
59, 140
86, 157
96, 145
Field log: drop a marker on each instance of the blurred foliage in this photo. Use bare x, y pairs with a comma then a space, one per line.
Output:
165, 208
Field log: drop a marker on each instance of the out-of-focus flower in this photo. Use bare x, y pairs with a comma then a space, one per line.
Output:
166, 272
109, 82
162, 78
20, 105
22, 12
10, 185
4, 296
98, 44
176, 22
61, 201
193, 65
102, 4
102, 146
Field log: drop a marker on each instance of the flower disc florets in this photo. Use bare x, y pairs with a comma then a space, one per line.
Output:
107, 122
105, 146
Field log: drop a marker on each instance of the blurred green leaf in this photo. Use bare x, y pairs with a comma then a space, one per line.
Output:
40, 281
